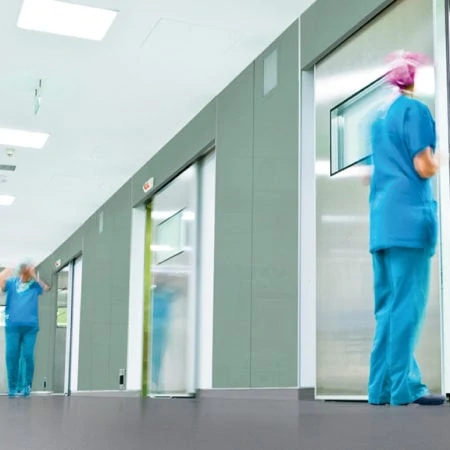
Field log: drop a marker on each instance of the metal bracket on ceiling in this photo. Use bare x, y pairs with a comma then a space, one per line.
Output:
37, 97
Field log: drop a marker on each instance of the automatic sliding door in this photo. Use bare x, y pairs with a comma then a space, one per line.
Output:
65, 373
64, 288
173, 302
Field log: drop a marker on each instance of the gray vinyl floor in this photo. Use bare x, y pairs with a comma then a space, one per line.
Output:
58, 423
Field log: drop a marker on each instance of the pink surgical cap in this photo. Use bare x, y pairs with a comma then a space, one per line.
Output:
403, 67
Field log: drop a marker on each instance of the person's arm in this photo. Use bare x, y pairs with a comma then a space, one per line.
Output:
4, 275
420, 135
426, 163
45, 287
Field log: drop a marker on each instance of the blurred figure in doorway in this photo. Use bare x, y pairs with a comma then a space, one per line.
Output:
162, 299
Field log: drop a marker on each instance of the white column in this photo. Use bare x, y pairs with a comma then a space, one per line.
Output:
441, 113
136, 301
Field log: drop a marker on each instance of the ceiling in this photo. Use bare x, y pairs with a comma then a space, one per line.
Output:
109, 106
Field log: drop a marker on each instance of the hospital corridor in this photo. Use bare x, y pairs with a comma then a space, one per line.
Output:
223, 225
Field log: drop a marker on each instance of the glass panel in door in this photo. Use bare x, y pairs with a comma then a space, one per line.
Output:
63, 300
173, 267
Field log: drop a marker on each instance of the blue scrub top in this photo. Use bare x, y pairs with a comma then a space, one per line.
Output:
22, 303
403, 212
162, 300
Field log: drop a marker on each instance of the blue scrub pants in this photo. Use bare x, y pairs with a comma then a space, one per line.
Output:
20, 340
159, 339
22, 382
401, 282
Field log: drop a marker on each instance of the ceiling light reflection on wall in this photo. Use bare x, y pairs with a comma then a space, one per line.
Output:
6, 200
25, 139
66, 19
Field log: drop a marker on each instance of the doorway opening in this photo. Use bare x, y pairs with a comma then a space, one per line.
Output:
177, 352
67, 328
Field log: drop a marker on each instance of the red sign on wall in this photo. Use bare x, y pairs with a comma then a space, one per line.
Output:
148, 185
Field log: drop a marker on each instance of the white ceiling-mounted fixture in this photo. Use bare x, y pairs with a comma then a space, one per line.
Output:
66, 19
25, 139
6, 200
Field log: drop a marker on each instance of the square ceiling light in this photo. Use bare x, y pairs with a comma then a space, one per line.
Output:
6, 200
66, 19
25, 139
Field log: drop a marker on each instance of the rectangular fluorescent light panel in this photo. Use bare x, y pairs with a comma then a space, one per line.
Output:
25, 139
6, 200
66, 19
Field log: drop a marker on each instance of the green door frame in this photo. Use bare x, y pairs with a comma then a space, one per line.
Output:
147, 301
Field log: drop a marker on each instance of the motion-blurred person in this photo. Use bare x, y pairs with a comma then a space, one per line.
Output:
403, 236
163, 297
21, 322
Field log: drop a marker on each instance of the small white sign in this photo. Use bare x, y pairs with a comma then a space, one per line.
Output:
58, 264
148, 185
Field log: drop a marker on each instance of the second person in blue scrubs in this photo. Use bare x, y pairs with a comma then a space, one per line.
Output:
403, 236
21, 323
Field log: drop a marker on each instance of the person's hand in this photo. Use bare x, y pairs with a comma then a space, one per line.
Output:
33, 272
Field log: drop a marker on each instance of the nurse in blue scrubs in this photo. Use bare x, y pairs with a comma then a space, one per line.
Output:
22, 323
403, 236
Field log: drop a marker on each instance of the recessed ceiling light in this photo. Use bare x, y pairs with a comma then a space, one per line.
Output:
20, 138
6, 200
66, 19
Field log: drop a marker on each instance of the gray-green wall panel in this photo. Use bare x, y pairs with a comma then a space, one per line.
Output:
256, 235
327, 23
233, 231
178, 152
105, 281
275, 220
104, 303
46, 337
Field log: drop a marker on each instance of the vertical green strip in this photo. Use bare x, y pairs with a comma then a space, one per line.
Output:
147, 300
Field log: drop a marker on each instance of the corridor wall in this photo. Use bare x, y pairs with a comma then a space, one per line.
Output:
106, 252
255, 294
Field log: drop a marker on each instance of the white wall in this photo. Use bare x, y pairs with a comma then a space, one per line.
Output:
75, 320
136, 301
441, 114
307, 237
206, 274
